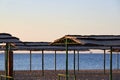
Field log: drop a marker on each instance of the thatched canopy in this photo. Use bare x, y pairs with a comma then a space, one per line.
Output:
8, 38
36, 46
90, 40
80, 42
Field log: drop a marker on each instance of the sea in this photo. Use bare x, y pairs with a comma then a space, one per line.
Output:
86, 61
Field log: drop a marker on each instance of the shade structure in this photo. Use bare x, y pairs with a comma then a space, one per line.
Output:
39, 46
108, 41
8, 38
5, 35
90, 40
9, 41
72, 42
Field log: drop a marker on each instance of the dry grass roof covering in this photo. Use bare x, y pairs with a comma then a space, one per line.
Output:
91, 40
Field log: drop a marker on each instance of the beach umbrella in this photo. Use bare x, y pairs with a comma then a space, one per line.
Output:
66, 41
108, 41
9, 41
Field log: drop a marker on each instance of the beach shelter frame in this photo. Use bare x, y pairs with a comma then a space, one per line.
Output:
72, 40
91, 40
45, 46
67, 41
9, 41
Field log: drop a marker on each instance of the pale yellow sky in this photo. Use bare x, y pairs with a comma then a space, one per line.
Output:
47, 20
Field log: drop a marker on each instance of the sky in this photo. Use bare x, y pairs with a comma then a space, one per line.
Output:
48, 20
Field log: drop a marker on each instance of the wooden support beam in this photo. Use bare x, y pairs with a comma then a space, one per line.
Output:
111, 63
74, 61
55, 60
66, 45
78, 60
117, 60
42, 62
30, 60
10, 63
6, 58
104, 60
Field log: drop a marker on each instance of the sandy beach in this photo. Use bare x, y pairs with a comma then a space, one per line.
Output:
53, 75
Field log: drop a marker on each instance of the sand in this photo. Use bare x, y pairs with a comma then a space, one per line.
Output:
53, 75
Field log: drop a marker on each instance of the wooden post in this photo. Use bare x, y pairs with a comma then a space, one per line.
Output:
42, 62
111, 63
74, 62
104, 59
117, 60
10, 63
66, 44
55, 60
30, 60
78, 60
6, 59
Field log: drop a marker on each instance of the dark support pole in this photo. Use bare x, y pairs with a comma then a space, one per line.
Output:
6, 59
66, 44
55, 60
42, 62
30, 60
10, 63
104, 59
74, 61
111, 63
117, 60
78, 60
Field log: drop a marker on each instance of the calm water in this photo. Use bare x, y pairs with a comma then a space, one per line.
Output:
86, 61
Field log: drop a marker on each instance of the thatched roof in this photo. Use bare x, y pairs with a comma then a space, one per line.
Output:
36, 46
8, 38
36, 43
90, 40
76, 42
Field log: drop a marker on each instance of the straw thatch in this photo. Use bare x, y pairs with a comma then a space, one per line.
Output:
90, 40
34, 46
8, 38
81, 42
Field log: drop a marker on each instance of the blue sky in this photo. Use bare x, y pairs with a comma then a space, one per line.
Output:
47, 20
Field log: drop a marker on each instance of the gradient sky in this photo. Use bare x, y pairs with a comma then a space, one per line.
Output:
47, 20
